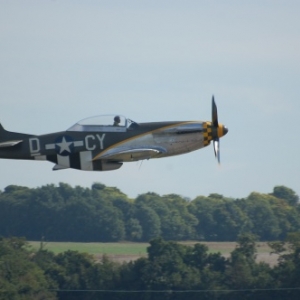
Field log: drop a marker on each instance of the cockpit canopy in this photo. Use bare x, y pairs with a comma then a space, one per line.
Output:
110, 123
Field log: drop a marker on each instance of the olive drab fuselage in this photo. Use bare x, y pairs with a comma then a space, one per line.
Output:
99, 144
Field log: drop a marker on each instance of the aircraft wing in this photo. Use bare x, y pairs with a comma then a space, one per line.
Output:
118, 154
10, 143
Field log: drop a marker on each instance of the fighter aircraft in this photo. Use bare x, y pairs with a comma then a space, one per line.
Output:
104, 143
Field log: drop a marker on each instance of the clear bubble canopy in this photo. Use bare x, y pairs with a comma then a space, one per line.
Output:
113, 123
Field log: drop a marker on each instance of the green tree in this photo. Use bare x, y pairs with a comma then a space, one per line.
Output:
287, 273
166, 267
286, 194
20, 277
134, 230
149, 221
259, 209
219, 219
243, 271
179, 223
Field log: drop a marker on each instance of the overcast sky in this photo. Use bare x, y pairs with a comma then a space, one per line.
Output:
62, 61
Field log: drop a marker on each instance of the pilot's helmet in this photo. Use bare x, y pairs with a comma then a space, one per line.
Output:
117, 119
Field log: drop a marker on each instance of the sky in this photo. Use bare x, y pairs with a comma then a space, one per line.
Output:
63, 61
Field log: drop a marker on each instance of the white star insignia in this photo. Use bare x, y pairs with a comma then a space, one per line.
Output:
64, 145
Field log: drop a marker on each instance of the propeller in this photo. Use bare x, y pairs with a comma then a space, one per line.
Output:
217, 129
217, 149
214, 112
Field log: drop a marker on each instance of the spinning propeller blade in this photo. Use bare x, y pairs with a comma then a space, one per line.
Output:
217, 149
218, 129
214, 112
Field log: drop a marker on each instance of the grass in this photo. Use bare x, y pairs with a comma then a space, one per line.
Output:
129, 248
127, 251
125, 248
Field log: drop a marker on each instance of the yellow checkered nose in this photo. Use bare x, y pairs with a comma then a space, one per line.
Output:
211, 133
222, 130
207, 133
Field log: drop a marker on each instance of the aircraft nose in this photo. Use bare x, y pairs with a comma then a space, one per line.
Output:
222, 130
225, 130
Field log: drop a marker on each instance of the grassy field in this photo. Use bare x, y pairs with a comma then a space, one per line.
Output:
125, 248
126, 251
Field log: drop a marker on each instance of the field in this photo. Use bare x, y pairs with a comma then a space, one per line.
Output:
126, 251
123, 251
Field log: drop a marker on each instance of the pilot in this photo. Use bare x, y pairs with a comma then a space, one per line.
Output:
117, 120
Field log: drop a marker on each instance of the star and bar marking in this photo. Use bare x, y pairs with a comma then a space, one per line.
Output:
64, 145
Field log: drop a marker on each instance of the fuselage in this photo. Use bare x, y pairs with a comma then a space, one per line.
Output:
91, 147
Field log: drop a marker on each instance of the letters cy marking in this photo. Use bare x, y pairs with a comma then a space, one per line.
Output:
90, 143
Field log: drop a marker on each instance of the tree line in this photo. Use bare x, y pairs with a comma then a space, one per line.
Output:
105, 214
171, 271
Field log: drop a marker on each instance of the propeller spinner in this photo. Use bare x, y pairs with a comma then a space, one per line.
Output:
218, 130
